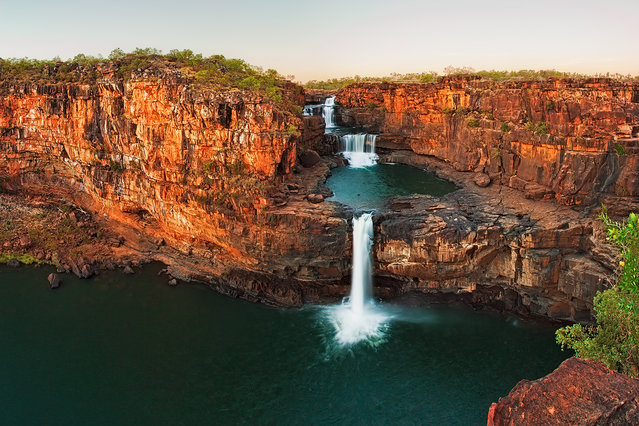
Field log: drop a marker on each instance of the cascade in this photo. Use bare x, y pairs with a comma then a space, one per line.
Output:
312, 109
359, 149
327, 111
358, 318
361, 279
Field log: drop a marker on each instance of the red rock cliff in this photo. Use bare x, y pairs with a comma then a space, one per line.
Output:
570, 140
200, 164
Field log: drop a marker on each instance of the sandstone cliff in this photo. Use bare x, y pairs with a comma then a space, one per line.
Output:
552, 150
575, 141
199, 167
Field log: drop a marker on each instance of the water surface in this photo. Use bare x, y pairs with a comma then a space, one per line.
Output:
130, 350
368, 187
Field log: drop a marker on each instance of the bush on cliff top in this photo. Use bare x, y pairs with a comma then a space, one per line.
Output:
615, 338
430, 77
214, 70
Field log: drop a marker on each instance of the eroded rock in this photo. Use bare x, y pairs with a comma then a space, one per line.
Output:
309, 158
54, 280
482, 180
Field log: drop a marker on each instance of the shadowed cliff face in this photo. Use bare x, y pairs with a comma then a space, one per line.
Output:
570, 140
197, 167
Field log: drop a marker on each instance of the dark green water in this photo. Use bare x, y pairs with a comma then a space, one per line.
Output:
131, 350
368, 187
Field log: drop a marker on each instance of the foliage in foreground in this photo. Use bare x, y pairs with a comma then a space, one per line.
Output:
615, 338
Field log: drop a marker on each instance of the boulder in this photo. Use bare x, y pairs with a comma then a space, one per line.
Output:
87, 271
25, 242
54, 281
128, 270
315, 198
579, 392
13, 263
309, 158
482, 180
172, 282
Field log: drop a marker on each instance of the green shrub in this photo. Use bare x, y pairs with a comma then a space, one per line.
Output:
541, 128
372, 105
116, 166
505, 128
615, 338
237, 168
620, 149
447, 111
625, 236
550, 106
473, 122
23, 258
495, 153
293, 130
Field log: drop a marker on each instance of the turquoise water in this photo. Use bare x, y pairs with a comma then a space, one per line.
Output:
130, 350
369, 187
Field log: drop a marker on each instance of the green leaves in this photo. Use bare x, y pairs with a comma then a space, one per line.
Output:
615, 339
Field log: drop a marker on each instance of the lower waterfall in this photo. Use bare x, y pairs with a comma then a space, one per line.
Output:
359, 318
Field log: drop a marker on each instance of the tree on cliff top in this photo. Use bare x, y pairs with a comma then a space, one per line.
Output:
615, 338
215, 70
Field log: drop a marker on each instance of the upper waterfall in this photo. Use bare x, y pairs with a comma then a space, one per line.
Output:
328, 110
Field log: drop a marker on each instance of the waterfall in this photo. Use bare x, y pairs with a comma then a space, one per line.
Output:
359, 149
312, 109
359, 318
327, 112
361, 278
361, 142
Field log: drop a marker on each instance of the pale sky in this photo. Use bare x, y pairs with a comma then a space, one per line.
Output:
330, 38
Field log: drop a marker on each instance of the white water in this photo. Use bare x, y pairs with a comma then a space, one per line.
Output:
358, 318
327, 111
312, 109
361, 280
359, 150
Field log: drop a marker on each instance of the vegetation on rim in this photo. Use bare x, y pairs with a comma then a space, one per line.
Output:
211, 71
433, 77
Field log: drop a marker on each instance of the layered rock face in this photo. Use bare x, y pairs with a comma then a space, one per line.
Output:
579, 392
200, 167
491, 247
574, 141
